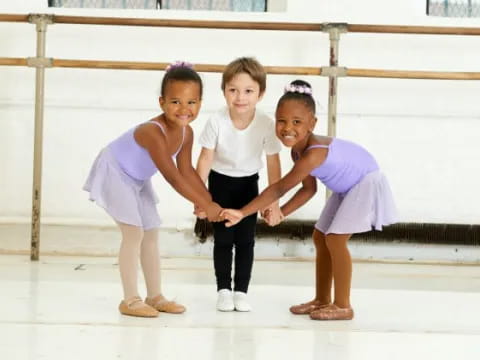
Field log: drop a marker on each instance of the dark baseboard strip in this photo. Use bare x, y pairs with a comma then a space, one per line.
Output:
419, 233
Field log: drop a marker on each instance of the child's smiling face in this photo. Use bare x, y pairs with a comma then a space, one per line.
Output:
242, 93
181, 103
294, 122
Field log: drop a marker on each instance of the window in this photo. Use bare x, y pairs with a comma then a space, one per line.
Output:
222, 5
453, 8
106, 4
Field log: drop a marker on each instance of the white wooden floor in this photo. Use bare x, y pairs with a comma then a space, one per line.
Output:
66, 308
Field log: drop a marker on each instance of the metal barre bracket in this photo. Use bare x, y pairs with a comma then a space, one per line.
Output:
339, 27
39, 62
41, 19
336, 71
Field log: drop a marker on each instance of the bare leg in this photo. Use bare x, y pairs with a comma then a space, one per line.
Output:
342, 278
323, 269
323, 277
341, 266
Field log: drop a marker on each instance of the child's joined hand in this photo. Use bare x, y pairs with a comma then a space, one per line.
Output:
232, 216
199, 212
273, 215
214, 212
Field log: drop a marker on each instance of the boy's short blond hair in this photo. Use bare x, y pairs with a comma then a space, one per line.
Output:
246, 65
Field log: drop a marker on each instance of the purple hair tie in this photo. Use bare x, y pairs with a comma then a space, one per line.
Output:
179, 64
301, 89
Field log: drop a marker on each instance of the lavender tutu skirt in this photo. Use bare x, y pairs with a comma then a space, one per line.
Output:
366, 206
124, 198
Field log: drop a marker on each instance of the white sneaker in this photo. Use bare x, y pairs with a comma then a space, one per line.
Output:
225, 300
240, 301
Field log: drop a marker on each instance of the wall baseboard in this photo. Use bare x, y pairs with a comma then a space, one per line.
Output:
420, 233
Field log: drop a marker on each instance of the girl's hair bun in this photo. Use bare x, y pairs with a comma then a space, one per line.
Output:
179, 64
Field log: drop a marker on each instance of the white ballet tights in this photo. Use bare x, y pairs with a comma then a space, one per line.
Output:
139, 244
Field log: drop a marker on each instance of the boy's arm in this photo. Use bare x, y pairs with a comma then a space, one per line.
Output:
208, 139
184, 163
272, 213
204, 163
273, 168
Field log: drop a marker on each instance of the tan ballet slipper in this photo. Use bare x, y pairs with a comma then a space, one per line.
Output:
163, 305
332, 312
306, 308
136, 307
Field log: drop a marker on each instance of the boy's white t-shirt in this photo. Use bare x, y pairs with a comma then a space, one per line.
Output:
239, 152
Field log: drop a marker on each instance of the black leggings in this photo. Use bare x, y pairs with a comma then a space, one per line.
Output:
233, 192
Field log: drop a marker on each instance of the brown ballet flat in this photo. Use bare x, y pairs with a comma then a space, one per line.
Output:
332, 312
136, 307
163, 305
306, 308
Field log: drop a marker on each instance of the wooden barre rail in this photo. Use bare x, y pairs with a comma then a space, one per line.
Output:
250, 25
13, 18
404, 29
13, 61
412, 74
206, 24
132, 65
278, 70
102, 64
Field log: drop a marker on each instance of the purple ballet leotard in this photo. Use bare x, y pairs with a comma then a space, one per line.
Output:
134, 159
345, 166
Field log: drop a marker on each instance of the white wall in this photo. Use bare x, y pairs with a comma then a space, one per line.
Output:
423, 132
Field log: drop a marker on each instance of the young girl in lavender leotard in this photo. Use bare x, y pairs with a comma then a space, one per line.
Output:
119, 182
361, 199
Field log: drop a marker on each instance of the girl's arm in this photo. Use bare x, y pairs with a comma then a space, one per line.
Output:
305, 193
300, 171
154, 141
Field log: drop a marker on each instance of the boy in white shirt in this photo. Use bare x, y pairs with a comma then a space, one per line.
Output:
233, 142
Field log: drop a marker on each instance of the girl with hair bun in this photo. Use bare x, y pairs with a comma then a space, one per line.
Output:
119, 181
361, 199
